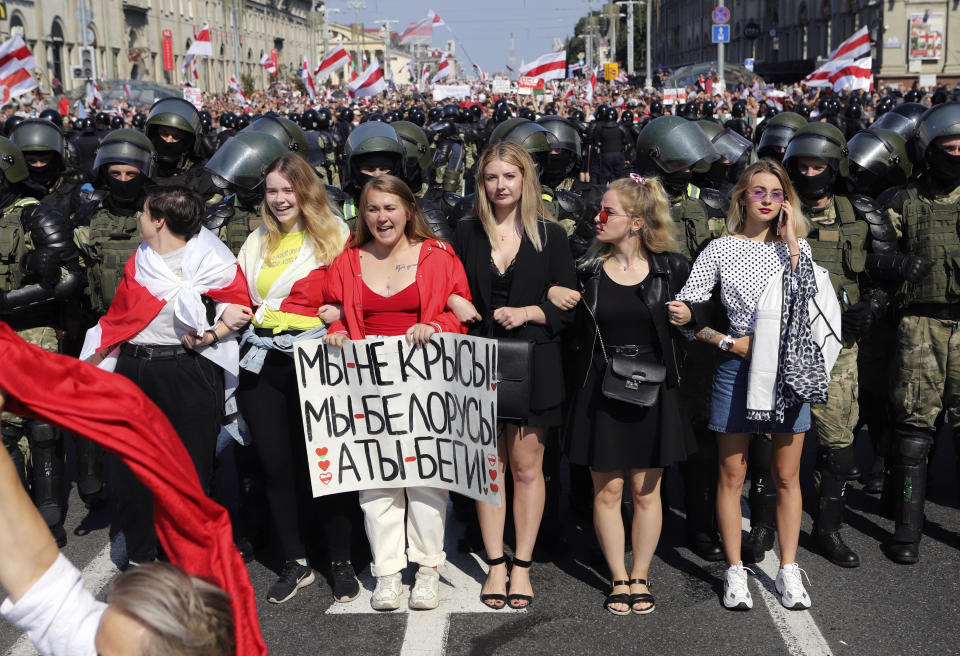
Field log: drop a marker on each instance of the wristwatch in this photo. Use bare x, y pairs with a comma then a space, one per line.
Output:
726, 343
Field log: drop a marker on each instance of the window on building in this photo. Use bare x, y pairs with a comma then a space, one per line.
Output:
56, 50
16, 25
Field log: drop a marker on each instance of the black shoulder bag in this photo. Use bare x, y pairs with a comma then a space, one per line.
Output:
629, 379
514, 358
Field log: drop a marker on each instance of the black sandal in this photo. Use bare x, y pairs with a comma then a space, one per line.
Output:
520, 597
641, 598
621, 598
494, 596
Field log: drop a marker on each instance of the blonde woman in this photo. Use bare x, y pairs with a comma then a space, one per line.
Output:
285, 262
765, 225
513, 253
631, 273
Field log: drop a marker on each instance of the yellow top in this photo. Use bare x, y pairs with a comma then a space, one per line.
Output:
282, 257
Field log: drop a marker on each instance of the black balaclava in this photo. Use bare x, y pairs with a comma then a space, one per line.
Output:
676, 183
944, 167
557, 168
46, 175
170, 154
249, 199
127, 196
811, 188
372, 161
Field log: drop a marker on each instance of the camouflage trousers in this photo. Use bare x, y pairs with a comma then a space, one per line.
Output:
926, 378
45, 338
836, 419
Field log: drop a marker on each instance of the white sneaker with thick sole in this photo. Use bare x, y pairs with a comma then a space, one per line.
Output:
386, 596
789, 585
426, 590
736, 593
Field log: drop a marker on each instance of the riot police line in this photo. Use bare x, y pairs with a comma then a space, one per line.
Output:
884, 203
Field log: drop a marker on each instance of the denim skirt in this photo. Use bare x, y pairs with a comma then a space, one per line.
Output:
728, 402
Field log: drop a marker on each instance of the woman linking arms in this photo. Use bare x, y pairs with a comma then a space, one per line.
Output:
764, 227
285, 261
513, 253
395, 279
631, 272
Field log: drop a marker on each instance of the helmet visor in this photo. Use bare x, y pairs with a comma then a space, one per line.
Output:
776, 136
125, 152
870, 152
244, 164
683, 147
898, 123
731, 145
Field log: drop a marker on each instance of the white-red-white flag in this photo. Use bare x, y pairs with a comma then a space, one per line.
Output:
269, 63
94, 97
16, 62
424, 77
443, 71
435, 20
333, 62
857, 45
418, 33
308, 79
821, 76
854, 75
480, 74
126, 91
368, 83
591, 86
551, 66
201, 46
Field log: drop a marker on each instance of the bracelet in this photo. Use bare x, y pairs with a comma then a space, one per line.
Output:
795, 255
526, 317
216, 338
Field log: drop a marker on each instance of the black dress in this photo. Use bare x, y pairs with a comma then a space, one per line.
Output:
610, 435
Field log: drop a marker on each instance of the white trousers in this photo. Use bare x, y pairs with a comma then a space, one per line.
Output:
383, 517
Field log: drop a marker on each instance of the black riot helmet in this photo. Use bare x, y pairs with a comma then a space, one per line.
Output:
739, 109
126, 146
777, 134
116, 122
735, 151
53, 116
227, 120
940, 121
294, 116
417, 116
475, 111
345, 115
12, 122
820, 140
803, 109
434, 114
310, 120
939, 97
501, 114
656, 108
578, 116
672, 148
883, 106
102, 120
688, 111
913, 96
626, 117
854, 110
708, 108
417, 147
451, 112
878, 160
206, 120
12, 164
902, 119
528, 114
283, 130
373, 117
38, 135
140, 119
373, 145
324, 118
242, 121
533, 138
565, 156
173, 113
241, 162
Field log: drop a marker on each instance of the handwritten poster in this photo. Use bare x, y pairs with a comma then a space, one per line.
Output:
383, 413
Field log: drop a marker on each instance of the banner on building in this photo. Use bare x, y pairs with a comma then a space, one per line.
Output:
926, 35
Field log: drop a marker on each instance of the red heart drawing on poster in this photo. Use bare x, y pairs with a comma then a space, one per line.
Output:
351, 365
484, 490
322, 451
493, 474
492, 459
494, 488
324, 464
326, 477
493, 386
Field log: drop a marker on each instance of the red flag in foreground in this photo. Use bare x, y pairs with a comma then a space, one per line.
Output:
112, 411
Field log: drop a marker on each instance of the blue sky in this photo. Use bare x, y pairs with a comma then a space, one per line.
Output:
483, 27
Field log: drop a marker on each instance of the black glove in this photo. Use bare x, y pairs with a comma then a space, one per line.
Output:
898, 266
43, 265
856, 321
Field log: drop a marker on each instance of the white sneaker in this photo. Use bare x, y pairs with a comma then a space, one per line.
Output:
789, 586
736, 594
386, 596
426, 589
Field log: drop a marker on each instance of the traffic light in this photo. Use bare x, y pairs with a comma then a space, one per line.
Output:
87, 62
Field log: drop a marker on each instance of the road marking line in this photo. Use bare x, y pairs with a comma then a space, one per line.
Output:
426, 632
799, 631
96, 575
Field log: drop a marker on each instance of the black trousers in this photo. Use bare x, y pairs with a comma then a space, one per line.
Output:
269, 402
189, 390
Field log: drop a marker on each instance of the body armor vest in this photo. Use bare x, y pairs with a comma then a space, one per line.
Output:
238, 227
113, 239
699, 228
933, 230
13, 245
841, 249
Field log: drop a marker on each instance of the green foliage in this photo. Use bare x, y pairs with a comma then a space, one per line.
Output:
247, 84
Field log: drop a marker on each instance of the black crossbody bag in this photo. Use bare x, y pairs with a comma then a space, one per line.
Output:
514, 366
629, 379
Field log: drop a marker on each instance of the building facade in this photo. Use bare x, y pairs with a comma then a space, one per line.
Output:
788, 38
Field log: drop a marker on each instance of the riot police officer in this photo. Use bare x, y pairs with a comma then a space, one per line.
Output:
419, 159
735, 153
738, 122
50, 179
237, 168
670, 148
926, 214
39, 270
846, 230
173, 126
612, 140
777, 134
321, 147
878, 161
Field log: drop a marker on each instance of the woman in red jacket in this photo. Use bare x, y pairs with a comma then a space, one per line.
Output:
395, 279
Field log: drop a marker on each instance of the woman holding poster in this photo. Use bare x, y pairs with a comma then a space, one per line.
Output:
513, 253
395, 279
285, 261
629, 276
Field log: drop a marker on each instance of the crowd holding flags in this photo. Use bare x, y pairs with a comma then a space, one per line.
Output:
368, 83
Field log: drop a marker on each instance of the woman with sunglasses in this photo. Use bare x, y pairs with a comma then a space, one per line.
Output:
632, 270
764, 225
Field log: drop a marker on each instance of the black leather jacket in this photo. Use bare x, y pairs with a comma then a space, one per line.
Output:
668, 273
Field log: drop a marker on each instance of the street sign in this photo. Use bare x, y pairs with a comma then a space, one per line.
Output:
721, 16
721, 34
751, 31
610, 71
748, 64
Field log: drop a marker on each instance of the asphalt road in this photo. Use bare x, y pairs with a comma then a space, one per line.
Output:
879, 607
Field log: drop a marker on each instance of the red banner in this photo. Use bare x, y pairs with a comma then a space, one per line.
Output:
167, 37
530, 83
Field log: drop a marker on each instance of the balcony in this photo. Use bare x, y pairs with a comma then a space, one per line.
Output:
137, 5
